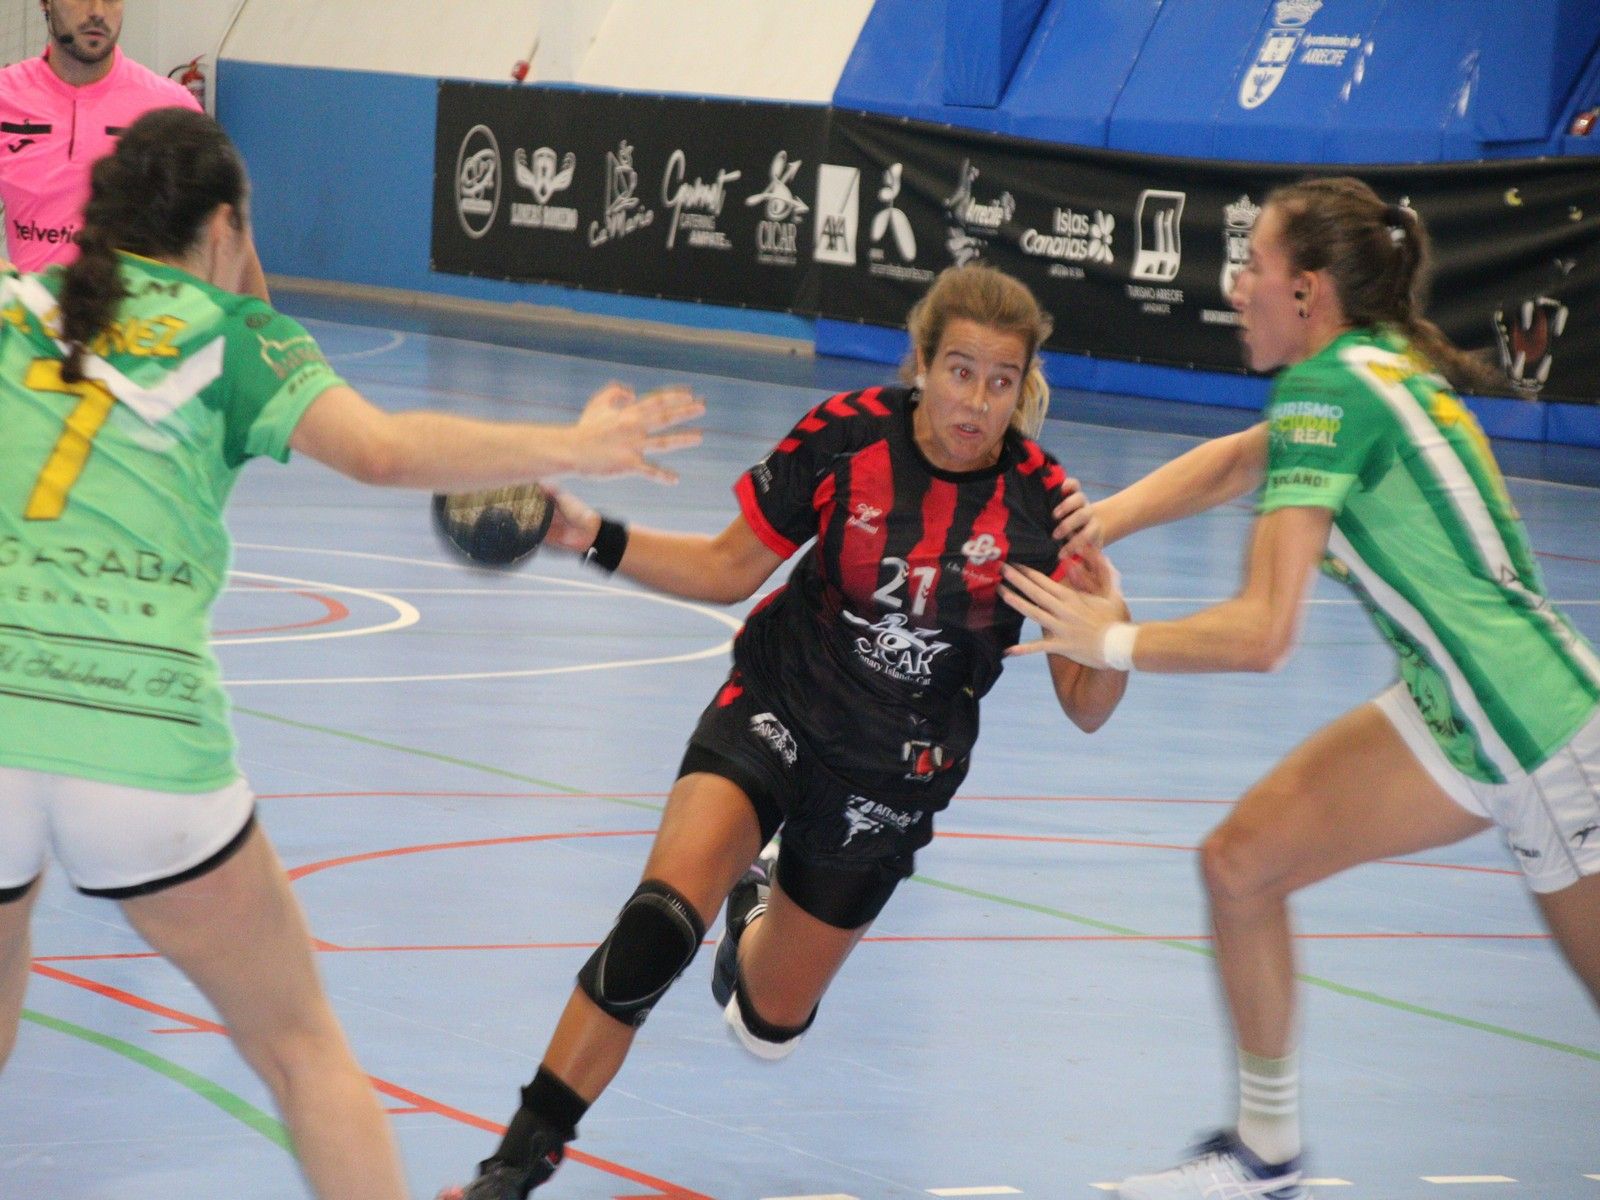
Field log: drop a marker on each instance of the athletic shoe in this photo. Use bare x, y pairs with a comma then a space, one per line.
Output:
1220, 1168
746, 902
499, 1180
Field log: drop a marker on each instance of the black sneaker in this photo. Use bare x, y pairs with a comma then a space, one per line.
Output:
746, 902
500, 1180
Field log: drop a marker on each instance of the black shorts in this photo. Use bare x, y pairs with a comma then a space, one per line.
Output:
842, 854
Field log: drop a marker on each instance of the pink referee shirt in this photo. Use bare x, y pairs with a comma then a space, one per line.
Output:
51, 133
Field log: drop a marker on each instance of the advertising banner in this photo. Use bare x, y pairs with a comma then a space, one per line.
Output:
850, 216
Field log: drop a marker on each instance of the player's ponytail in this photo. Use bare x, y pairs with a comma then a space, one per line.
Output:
1379, 258
152, 196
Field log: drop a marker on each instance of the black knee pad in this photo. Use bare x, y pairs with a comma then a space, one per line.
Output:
656, 936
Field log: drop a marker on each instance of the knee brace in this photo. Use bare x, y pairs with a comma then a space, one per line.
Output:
755, 1033
656, 936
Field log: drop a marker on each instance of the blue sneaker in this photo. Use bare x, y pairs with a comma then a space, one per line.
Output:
1220, 1168
746, 902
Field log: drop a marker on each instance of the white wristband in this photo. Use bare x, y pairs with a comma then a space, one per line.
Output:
1116, 645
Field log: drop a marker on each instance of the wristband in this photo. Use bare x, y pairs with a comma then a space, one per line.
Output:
1116, 645
610, 544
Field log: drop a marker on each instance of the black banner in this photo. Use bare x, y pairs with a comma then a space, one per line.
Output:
650, 195
850, 215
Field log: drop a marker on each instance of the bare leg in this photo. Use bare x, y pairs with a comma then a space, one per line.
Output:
1350, 794
14, 956
787, 958
709, 835
1573, 915
239, 934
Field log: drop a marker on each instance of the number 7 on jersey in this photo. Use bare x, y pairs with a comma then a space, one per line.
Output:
48, 499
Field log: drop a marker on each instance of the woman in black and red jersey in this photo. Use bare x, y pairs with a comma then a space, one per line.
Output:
851, 712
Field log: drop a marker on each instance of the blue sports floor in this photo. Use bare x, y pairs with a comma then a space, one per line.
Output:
463, 771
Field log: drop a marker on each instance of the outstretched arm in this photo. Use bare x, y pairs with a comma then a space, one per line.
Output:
442, 452
1254, 631
1213, 473
724, 568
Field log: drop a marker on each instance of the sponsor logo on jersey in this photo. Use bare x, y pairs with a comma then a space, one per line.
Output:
772, 731
1580, 837
981, 550
1306, 423
287, 356
695, 204
625, 212
864, 517
540, 175
778, 232
974, 221
838, 211
862, 815
478, 181
1073, 238
895, 649
27, 231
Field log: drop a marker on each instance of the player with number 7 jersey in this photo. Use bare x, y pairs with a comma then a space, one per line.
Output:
112, 544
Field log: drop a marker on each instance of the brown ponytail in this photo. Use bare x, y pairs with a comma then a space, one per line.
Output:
1379, 256
170, 172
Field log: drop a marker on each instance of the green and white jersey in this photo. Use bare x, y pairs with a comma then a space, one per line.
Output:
1427, 537
112, 543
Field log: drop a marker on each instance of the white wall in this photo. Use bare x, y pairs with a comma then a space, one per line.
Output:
768, 49
161, 34
771, 49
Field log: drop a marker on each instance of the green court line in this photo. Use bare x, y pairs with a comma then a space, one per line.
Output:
1313, 980
444, 758
235, 1106
1011, 902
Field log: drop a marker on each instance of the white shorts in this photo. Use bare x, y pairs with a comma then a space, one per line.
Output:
115, 840
1550, 818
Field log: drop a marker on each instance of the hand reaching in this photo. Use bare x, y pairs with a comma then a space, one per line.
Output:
618, 430
1073, 621
1077, 523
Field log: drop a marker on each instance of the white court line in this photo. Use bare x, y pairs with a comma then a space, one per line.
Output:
1467, 1179
405, 614
976, 1191
396, 340
582, 585
828, 1196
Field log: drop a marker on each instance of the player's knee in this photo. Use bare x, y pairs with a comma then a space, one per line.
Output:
758, 1035
1233, 866
657, 935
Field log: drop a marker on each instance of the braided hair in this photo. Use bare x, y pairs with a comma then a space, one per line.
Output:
151, 196
1379, 258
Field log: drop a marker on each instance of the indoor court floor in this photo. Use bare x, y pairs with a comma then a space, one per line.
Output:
462, 771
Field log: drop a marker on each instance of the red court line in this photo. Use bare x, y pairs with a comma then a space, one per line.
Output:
327, 864
663, 796
906, 938
336, 612
406, 1096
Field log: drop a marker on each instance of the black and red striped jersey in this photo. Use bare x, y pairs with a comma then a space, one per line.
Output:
891, 627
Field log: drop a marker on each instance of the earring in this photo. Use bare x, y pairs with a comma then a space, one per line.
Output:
921, 381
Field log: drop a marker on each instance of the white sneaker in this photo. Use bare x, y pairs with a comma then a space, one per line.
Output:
1220, 1168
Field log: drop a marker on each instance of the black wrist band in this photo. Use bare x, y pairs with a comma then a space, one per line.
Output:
610, 544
